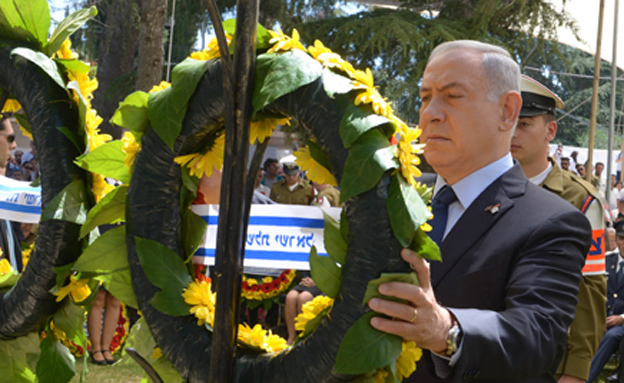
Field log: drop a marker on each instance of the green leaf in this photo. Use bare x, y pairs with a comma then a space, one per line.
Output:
74, 65
25, 20
325, 273
82, 114
9, 280
356, 121
406, 209
314, 323
69, 205
107, 160
163, 267
364, 348
67, 27
278, 74
334, 83
110, 209
369, 157
71, 318
193, 230
372, 289
334, 243
56, 363
43, 62
319, 155
62, 273
167, 108
262, 34
119, 283
344, 225
22, 119
425, 247
108, 253
72, 137
141, 339
132, 114
18, 358
170, 302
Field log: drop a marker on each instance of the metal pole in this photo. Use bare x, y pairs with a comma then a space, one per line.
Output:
612, 110
233, 204
594, 104
171, 27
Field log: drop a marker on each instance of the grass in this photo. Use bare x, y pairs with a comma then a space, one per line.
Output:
122, 372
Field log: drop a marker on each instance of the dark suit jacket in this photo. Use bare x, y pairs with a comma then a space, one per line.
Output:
615, 288
510, 276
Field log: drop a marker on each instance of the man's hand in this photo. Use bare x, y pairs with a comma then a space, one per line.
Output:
570, 379
307, 282
614, 320
421, 318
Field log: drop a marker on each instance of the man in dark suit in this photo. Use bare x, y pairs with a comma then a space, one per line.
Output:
615, 306
499, 305
9, 242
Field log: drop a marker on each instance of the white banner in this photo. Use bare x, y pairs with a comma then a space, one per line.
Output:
19, 201
278, 237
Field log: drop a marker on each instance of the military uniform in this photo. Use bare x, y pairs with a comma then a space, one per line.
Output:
586, 331
301, 195
331, 194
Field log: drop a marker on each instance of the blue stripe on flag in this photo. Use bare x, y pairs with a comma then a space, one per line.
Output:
267, 255
16, 189
311, 223
30, 209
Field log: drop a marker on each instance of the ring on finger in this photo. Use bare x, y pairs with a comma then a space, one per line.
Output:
415, 316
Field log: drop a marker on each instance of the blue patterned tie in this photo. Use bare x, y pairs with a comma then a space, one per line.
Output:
439, 207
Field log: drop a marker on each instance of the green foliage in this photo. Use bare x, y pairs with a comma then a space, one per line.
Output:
69, 205
335, 244
262, 35
167, 108
67, 27
119, 283
70, 319
46, 64
193, 229
110, 209
107, 160
319, 155
325, 273
107, 254
132, 114
18, 359
9, 280
334, 83
278, 74
165, 270
407, 210
358, 120
424, 245
364, 348
26, 21
370, 156
372, 289
313, 323
56, 363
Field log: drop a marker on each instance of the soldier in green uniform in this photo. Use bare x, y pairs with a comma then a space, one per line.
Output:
292, 190
535, 130
327, 195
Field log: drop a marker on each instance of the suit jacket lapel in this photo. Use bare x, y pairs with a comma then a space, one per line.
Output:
488, 208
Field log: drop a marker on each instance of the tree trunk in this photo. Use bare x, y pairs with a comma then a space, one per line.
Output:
151, 51
115, 59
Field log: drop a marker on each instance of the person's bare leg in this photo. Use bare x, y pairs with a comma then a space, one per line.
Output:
94, 325
290, 312
111, 317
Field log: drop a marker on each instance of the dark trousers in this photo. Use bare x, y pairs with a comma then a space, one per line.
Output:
609, 344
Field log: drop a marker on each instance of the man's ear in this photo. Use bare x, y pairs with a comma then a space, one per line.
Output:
511, 103
551, 130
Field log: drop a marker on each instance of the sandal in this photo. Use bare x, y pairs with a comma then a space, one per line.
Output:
102, 362
106, 360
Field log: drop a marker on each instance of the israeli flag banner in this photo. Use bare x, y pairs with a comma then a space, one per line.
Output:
19, 201
278, 236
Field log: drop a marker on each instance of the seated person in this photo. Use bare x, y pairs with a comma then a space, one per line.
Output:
615, 306
295, 299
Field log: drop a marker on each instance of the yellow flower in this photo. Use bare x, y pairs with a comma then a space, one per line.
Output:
381, 375
58, 333
267, 280
11, 106
199, 295
201, 164
157, 353
87, 85
311, 309
283, 43
370, 95
159, 87
329, 59
100, 187
262, 129
26, 133
5, 266
26, 254
92, 121
78, 289
212, 50
131, 148
252, 282
406, 364
406, 151
261, 338
316, 172
65, 52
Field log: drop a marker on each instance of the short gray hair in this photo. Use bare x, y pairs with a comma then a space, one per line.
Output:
500, 71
